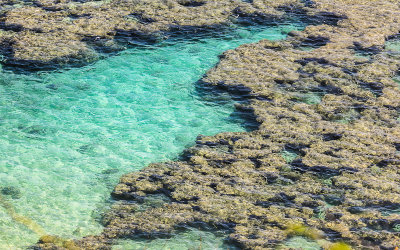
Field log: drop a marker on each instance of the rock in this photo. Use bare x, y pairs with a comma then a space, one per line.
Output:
11, 191
51, 33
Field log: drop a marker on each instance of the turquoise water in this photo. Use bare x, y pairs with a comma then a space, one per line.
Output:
194, 239
67, 136
393, 44
191, 239
299, 242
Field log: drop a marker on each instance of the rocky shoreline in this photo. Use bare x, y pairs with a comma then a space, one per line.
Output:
324, 161
48, 34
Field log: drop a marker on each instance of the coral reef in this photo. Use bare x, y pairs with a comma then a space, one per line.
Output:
325, 157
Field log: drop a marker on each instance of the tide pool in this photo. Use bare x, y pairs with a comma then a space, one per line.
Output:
67, 136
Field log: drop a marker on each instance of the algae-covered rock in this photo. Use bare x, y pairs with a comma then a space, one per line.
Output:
47, 33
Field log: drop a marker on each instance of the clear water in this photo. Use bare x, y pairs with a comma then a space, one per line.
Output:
299, 242
393, 45
192, 239
67, 136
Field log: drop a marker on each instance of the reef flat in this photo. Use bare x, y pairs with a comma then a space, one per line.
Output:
324, 161
46, 33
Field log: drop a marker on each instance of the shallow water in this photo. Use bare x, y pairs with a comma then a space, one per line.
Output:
298, 242
191, 239
67, 136
393, 45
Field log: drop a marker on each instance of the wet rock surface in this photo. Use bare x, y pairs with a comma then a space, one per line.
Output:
69, 32
325, 155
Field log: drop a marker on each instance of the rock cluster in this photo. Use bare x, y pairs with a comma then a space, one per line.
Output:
47, 33
324, 162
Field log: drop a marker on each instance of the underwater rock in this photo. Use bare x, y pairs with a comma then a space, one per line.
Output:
344, 164
110, 171
13, 192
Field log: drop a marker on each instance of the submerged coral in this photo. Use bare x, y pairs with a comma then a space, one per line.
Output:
333, 112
